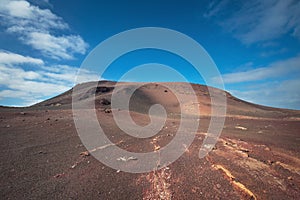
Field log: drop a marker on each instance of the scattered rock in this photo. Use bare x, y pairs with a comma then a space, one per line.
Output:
85, 153
106, 110
7, 126
241, 128
270, 162
186, 147
104, 102
59, 175
58, 104
260, 132
156, 148
42, 152
218, 186
124, 159
22, 113
208, 146
244, 150
267, 149
290, 178
100, 89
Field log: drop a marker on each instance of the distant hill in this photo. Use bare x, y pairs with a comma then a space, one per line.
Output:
154, 93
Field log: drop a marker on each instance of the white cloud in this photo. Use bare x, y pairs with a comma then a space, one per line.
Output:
273, 52
32, 86
275, 85
28, 86
262, 23
256, 21
215, 7
274, 70
40, 29
20, 13
11, 58
19, 9
56, 47
68, 74
285, 94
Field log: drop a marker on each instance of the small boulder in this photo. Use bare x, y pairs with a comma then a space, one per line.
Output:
267, 149
104, 102
107, 110
85, 153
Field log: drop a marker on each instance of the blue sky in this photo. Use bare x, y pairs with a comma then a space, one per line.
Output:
255, 44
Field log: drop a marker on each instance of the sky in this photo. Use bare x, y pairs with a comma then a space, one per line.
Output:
255, 45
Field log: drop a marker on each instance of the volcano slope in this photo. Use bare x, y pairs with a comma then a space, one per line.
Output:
256, 157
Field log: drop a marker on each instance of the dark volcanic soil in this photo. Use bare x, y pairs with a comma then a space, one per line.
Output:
256, 157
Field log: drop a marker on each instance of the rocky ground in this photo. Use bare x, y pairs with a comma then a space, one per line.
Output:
256, 157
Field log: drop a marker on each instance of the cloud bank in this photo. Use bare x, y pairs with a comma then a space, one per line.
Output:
275, 85
32, 86
274, 70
